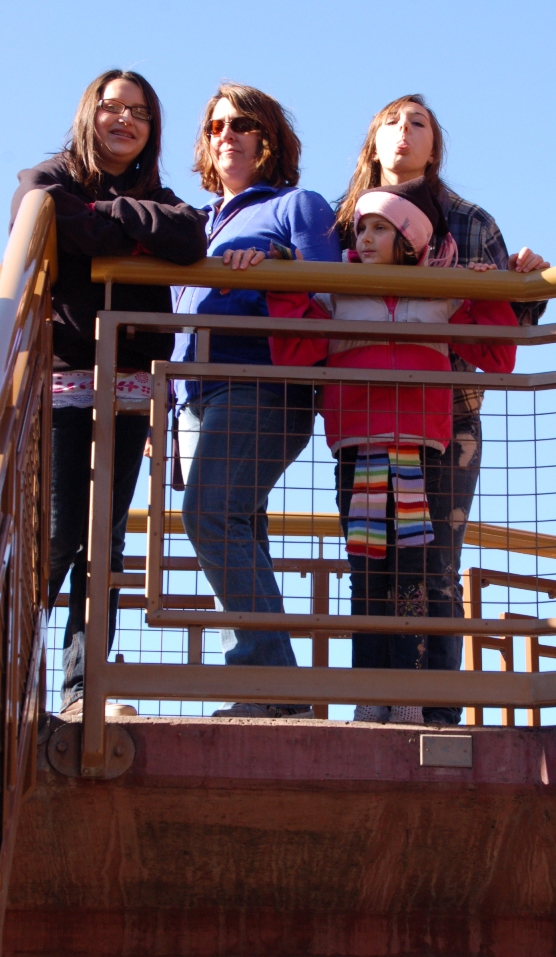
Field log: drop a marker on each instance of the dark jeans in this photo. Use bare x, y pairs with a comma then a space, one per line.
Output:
450, 508
392, 585
247, 439
71, 477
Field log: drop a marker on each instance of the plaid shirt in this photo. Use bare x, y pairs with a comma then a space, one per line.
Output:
479, 240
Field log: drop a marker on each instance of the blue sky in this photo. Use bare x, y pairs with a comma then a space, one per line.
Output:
486, 68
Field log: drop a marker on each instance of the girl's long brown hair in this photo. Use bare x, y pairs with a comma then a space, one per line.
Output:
279, 151
368, 170
81, 151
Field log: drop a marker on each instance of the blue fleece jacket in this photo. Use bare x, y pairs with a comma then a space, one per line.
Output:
261, 214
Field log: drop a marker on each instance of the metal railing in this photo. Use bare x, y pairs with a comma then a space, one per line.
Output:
320, 684
474, 580
322, 529
25, 410
28, 268
349, 278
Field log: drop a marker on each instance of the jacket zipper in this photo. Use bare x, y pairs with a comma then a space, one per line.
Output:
392, 314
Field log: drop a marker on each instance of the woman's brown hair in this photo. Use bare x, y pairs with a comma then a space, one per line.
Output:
82, 155
279, 151
368, 170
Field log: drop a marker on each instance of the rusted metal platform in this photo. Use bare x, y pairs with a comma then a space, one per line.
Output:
242, 838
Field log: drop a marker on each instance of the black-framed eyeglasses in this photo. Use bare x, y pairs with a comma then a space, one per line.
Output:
238, 124
119, 108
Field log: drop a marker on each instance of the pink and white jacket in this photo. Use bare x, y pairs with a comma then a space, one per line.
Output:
357, 414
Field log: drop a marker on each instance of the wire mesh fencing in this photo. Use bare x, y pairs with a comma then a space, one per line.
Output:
287, 519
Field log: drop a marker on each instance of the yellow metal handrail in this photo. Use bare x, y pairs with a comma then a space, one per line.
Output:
25, 385
350, 278
32, 241
327, 525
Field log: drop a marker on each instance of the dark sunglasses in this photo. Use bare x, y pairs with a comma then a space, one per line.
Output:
116, 106
238, 124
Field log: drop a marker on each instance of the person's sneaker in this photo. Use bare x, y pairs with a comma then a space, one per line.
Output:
243, 710
76, 707
404, 714
445, 717
113, 709
372, 712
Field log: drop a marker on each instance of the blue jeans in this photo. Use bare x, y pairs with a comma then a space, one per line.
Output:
391, 585
248, 437
71, 476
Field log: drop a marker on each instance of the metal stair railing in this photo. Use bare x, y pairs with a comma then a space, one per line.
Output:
319, 685
28, 269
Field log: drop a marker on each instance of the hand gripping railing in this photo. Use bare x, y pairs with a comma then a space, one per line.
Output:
278, 684
28, 268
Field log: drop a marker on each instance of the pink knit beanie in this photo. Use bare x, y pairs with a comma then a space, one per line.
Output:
411, 208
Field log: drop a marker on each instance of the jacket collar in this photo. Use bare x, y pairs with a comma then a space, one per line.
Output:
240, 199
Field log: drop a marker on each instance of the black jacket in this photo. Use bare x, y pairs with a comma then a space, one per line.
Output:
110, 224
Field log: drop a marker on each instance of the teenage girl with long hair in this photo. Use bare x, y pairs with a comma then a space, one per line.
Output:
109, 202
404, 141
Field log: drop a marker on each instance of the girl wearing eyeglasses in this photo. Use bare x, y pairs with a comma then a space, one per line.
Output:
109, 202
248, 154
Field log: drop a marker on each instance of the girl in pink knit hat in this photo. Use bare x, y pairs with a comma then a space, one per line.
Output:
388, 439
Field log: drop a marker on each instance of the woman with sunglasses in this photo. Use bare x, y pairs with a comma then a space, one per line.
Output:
109, 202
248, 154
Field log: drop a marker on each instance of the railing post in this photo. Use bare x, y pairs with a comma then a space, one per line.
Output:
532, 655
532, 665
157, 486
507, 654
100, 536
194, 645
472, 604
507, 664
320, 605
